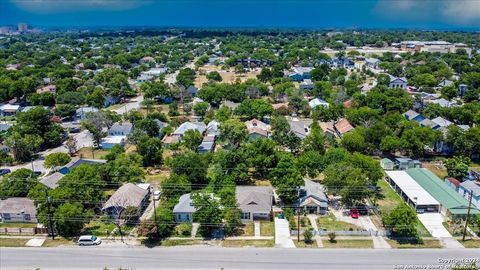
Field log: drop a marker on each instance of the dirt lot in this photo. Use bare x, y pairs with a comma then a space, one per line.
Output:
228, 76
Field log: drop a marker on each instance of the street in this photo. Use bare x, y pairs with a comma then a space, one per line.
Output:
227, 258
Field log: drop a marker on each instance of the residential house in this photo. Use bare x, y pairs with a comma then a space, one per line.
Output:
183, 211
428, 123
453, 183
387, 164
470, 187
230, 104
51, 181
318, 102
300, 73
342, 126
312, 198
397, 82
117, 135
199, 126
407, 163
4, 127
442, 102
307, 84
161, 125
169, 140
329, 129
462, 89
120, 129
47, 89
17, 209
82, 112
445, 83
441, 122
75, 162
192, 90
255, 202
372, 63
128, 195
9, 109
213, 128
300, 128
257, 129
412, 115
207, 145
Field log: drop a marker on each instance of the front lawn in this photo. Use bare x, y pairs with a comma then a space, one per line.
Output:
389, 198
57, 242
86, 152
248, 229
17, 225
330, 223
99, 228
348, 243
13, 242
248, 243
470, 243
302, 244
425, 244
267, 228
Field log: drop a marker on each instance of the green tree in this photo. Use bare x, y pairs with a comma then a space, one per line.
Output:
151, 150
315, 140
286, 178
70, 219
234, 132
191, 164
256, 108
261, 155
192, 139
208, 213
201, 108
56, 159
126, 168
457, 167
214, 76
402, 222
17, 183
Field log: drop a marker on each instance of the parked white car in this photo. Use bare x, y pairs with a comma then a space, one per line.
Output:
89, 240
156, 195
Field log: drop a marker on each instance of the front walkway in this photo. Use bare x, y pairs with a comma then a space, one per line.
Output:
313, 222
257, 229
433, 222
282, 234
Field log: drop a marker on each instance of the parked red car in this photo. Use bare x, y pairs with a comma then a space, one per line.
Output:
354, 213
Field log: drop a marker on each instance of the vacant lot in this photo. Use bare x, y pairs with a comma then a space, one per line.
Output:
267, 228
90, 153
330, 223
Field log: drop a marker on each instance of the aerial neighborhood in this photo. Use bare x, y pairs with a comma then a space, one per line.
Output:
238, 139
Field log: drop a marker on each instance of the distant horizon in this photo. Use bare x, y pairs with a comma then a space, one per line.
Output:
442, 15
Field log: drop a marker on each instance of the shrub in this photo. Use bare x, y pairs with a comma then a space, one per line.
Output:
332, 236
308, 235
184, 229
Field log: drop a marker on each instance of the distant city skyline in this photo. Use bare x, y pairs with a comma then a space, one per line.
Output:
418, 14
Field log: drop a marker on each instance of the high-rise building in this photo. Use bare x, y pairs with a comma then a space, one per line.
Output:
22, 27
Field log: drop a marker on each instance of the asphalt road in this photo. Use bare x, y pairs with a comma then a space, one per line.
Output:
229, 258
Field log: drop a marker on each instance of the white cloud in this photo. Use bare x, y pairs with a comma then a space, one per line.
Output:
54, 6
459, 12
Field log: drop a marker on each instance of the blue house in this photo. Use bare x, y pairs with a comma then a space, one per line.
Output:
470, 187
75, 162
412, 115
398, 82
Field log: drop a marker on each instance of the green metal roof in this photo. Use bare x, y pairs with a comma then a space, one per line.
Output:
449, 198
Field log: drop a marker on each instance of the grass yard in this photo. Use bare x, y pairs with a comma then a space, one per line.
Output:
389, 199
114, 107
267, 228
86, 152
344, 243
302, 244
17, 225
13, 242
99, 228
426, 244
330, 223
248, 243
182, 242
248, 229
436, 167
470, 243
57, 242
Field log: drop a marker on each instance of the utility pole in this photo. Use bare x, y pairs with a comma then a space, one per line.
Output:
468, 215
298, 224
50, 223
154, 210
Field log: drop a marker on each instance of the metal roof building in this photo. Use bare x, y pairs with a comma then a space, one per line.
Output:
412, 192
452, 202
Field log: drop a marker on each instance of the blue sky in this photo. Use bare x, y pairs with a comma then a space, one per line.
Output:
422, 14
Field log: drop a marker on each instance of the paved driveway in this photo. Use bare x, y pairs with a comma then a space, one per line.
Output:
433, 223
282, 234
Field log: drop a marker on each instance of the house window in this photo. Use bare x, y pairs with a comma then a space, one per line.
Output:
245, 215
6, 216
27, 217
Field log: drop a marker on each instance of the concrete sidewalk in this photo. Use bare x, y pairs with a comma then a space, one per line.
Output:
282, 234
313, 222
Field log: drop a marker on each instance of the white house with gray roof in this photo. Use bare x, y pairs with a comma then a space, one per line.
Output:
18, 210
472, 187
128, 195
184, 209
200, 126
